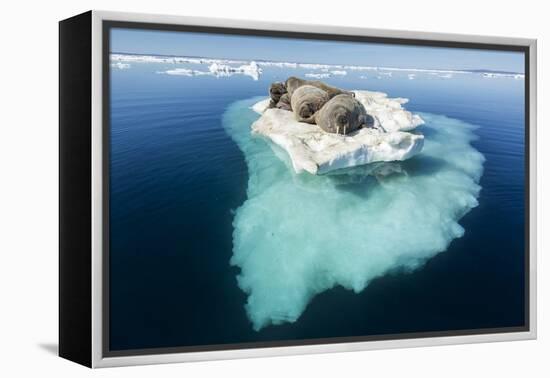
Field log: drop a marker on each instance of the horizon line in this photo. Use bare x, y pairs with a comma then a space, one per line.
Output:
450, 70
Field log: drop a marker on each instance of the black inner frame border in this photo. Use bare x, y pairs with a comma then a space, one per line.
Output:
107, 25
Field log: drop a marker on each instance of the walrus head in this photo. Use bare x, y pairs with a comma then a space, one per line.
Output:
343, 114
276, 90
293, 83
344, 121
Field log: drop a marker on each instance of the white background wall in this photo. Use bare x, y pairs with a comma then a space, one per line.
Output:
28, 190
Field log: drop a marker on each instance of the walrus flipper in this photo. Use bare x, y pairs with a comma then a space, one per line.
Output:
311, 119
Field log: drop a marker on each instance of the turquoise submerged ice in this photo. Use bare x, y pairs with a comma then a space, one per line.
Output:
298, 235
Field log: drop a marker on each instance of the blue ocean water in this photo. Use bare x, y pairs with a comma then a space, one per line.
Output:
177, 179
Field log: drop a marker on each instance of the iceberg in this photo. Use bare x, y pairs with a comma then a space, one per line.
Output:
296, 236
317, 152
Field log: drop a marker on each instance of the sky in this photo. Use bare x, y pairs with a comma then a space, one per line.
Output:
310, 51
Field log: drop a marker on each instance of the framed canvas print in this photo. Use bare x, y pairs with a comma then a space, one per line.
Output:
236, 189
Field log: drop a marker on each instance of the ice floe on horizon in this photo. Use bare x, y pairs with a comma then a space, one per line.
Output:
129, 58
219, 70
120, 65
317, 75
339, 72
492, 75
333, 69
251, 69
313, 66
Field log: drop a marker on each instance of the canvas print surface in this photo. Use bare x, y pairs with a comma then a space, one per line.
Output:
278, 191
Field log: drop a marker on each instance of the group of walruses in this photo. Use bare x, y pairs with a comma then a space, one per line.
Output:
334, 110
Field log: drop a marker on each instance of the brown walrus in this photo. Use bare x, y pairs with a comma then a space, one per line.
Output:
276, 91
306, 101
293, 83
284, 103
342, 114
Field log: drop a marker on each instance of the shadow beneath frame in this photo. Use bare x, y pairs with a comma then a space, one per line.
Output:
51, 348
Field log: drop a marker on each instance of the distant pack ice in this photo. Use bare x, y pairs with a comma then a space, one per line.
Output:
312, 150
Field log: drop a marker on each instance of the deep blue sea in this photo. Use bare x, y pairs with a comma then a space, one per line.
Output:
177, 179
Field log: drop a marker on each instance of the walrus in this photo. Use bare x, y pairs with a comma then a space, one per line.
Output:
306, 101
284, 102
276, 91
342, 114
293, 83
